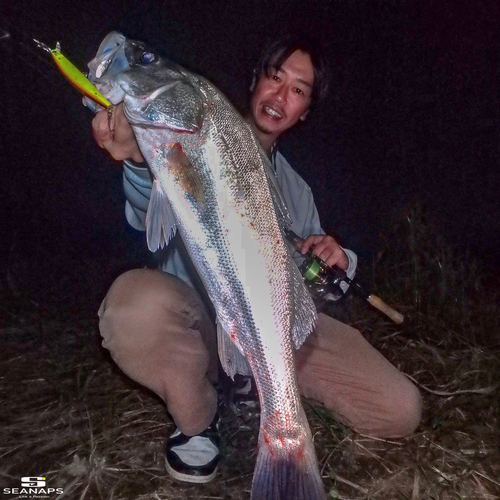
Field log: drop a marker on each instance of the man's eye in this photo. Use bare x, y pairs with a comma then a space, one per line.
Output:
276, 78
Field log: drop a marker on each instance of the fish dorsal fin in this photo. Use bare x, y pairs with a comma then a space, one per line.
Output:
231, 357
305, 314
279, 203
160, 221
305, 311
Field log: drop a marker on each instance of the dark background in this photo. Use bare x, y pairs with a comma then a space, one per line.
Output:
412, 116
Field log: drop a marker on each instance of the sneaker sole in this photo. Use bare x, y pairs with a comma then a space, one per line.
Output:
188, 478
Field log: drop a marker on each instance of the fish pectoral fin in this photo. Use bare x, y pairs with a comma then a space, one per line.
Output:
160, 221
183, 172
231, 357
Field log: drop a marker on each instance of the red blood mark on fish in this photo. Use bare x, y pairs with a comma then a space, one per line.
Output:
183, 171
268, 443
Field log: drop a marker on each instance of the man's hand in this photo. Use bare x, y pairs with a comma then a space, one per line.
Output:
115, 135
327, 249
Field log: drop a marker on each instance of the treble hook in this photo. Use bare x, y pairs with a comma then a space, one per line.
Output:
44, 46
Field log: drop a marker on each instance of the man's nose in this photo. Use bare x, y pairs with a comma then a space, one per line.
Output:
281, 94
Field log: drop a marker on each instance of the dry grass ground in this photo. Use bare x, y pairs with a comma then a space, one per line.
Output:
69, 415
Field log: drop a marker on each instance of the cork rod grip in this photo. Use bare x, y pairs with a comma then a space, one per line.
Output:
375, 301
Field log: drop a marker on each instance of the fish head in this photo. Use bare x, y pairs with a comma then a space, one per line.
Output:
155, 92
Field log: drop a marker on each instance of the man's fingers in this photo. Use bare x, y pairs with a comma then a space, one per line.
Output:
112, 132
327, 249
100, 128
308, 243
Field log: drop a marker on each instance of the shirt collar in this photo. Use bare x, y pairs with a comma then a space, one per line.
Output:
274, 152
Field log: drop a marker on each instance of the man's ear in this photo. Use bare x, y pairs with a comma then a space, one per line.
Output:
303, 117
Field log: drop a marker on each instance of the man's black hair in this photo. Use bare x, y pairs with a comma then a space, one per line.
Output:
279, 51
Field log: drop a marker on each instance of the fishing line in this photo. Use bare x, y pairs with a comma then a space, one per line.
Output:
11, 37
32, 49
29, 55
24, 52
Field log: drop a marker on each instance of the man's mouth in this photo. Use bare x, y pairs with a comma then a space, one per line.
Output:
272, 112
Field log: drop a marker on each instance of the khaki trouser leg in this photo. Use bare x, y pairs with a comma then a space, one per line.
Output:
337, 366
160, 334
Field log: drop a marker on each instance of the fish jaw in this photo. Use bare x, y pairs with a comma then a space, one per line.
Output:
108, 65
110, 57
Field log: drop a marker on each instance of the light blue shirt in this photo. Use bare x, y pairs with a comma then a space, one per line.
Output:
298, 197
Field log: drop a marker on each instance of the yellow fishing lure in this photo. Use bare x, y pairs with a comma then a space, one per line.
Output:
74, 75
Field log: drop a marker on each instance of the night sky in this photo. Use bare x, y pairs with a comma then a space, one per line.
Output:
412, 116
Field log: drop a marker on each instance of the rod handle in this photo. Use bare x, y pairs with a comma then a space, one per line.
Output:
379, 304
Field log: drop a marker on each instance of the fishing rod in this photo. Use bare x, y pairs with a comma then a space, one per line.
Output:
324, 280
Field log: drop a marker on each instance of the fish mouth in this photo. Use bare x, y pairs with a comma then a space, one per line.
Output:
110, 49
109, 62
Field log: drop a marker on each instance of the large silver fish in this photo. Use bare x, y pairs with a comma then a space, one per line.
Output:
212, 183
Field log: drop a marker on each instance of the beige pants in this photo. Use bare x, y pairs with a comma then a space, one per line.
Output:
160, 334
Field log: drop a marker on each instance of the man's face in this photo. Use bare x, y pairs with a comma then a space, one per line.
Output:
281, 99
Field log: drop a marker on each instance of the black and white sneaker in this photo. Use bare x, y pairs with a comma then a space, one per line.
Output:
244, 393
194, 459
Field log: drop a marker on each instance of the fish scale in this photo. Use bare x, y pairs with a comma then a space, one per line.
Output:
214, 184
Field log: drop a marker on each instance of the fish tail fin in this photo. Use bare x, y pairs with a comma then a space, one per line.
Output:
292, 476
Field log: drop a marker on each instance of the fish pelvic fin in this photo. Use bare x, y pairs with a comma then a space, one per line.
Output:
291, 476
160, 221
231, 357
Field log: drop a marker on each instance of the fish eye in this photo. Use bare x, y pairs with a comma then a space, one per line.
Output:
147, 57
